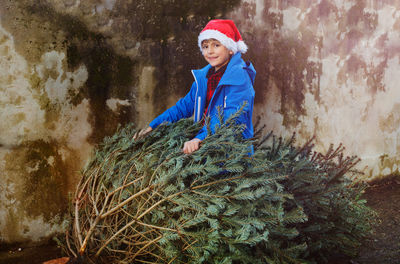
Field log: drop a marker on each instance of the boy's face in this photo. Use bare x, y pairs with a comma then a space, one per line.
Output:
215, 53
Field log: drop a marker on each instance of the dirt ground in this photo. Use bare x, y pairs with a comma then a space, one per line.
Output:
383, 247
29, 254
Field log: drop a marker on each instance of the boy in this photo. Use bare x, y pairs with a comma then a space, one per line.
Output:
227, 81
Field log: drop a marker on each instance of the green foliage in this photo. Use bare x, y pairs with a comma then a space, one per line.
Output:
325, 186
144, 201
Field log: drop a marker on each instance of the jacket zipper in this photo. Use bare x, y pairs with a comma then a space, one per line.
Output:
196, 115
198, 107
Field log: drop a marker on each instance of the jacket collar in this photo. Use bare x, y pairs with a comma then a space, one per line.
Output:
234, 74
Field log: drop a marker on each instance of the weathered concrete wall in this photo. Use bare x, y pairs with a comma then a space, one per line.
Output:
71, 71
329, 68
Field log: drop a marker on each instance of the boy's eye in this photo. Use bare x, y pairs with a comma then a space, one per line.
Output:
205, 46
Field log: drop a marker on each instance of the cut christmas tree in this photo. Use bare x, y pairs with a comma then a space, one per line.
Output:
144, 201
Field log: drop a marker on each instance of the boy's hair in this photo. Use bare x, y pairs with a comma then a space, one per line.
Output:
226, 32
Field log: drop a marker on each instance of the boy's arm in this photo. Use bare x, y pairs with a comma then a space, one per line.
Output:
182, 109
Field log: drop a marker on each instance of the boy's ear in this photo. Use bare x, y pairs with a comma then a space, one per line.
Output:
231, 52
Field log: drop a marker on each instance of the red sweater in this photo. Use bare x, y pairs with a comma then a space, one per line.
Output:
213, 78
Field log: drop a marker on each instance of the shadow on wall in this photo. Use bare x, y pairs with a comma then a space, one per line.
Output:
283, 64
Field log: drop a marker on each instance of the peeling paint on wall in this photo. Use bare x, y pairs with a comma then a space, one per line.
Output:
38, 122
20, 113
114, 103
72, 71
329, 69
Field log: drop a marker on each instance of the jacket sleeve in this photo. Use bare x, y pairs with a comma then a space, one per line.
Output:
182, 109
202, 133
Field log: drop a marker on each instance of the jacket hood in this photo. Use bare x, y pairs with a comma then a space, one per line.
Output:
234, 74
251, 71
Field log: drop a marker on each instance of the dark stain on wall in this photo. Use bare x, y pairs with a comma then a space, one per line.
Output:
45, 181
289, 61
271, 19
175, 51
166, 32
109, 73
110, 76
358, 17
320, 13
283, 61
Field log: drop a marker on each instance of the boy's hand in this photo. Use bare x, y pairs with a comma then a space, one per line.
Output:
191, 146
145, 131
142, 133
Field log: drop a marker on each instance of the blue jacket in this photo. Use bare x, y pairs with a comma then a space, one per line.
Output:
234, 88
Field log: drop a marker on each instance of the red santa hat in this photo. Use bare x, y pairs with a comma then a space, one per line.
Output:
226, 32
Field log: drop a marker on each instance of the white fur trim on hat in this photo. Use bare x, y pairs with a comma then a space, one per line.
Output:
229, 43
242, 47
